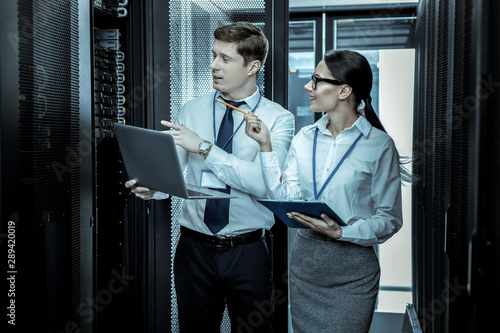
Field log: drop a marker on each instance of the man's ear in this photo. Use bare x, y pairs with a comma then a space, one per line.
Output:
254, 67
345, 92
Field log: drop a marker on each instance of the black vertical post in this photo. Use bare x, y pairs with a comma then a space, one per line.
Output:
158, 65
276, 89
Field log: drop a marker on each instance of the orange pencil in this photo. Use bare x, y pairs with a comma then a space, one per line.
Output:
231, 106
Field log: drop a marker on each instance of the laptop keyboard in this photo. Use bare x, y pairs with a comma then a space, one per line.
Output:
193, 193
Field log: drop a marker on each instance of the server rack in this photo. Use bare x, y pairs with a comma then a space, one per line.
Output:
79, 240
456, 234
119, 220
39, 162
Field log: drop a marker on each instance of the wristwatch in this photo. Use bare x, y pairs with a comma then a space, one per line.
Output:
205, 146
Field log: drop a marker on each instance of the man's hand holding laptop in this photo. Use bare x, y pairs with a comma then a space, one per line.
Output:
140, 191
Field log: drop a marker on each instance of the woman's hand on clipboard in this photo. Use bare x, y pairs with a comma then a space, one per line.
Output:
325, 224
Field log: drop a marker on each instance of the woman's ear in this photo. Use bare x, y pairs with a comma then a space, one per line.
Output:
345, 92
253, 67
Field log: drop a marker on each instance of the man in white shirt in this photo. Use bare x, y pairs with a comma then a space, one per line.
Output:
222, 257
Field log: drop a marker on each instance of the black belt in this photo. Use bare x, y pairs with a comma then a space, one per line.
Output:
224, 241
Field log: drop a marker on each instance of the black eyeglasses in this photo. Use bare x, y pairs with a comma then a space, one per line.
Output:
316, 78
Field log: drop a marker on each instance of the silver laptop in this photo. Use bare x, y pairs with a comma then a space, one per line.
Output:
150, 157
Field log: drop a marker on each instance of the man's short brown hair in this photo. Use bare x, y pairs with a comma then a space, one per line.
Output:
252, 44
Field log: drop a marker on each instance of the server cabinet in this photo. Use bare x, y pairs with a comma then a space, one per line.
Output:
119, 94
456, 235
74, 245
40, 164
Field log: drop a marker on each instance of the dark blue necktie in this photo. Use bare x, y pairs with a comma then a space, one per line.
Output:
217, 210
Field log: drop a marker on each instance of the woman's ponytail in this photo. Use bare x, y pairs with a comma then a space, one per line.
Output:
372, 117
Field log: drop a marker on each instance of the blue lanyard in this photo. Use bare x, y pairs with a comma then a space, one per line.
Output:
316, 194
231, 137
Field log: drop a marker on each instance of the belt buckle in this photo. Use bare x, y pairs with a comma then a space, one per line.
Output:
218, 241
225, 238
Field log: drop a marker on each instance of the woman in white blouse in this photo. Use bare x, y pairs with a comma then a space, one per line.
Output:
347, 160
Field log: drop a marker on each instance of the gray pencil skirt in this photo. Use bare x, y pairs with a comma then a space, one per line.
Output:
333, 285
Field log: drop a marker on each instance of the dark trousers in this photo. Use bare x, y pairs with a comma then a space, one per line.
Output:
209, 277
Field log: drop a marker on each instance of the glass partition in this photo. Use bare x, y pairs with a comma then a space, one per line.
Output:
301, 62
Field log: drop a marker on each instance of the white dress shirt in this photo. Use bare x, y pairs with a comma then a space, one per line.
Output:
241, 170
366, 190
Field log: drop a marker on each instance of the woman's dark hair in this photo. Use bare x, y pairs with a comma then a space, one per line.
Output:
352, 68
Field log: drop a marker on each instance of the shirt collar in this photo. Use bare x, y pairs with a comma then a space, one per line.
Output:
320, 125
251, 100
362, 124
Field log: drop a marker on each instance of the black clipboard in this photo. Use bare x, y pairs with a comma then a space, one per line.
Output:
280, 208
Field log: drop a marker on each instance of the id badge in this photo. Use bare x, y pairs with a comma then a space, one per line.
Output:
208, 179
